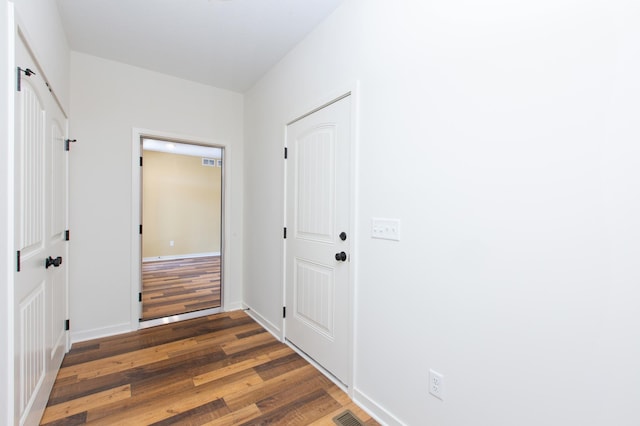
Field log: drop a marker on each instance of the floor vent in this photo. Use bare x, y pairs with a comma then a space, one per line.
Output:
347, 419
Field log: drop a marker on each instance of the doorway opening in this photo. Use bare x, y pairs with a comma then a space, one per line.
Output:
181, 228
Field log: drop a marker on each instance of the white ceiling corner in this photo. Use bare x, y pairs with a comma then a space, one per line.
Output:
227, 44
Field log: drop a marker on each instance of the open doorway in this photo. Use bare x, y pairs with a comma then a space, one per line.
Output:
181, 204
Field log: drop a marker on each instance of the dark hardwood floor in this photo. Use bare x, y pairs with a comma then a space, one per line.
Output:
172, 287
222, 369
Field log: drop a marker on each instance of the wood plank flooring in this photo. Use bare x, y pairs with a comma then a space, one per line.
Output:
172, 287
222, 369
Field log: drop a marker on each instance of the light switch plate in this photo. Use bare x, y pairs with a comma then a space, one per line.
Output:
386, 229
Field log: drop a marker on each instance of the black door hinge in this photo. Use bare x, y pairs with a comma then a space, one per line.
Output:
286, 152
140, 229
285, 232
67, 143
140, 161
18, 260
140, 297
67, 326
28, 72
66, 235
284, 312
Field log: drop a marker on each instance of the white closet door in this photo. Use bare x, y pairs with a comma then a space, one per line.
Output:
40, 284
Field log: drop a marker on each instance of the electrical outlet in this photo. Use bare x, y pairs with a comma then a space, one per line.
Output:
436, 384
171, 243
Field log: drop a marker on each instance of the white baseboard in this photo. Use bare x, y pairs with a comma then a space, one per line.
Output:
112, 330
179, 256
380, 414
363, 401
96, 333
265, 323
317, 366
233, 306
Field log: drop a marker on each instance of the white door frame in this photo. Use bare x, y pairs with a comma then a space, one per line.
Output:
353, 90
136, 203
7, 194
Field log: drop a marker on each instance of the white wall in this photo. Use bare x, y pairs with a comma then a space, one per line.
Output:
505, 137
108, 100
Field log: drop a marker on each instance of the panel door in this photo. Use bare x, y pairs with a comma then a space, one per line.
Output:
319, 239
40, 287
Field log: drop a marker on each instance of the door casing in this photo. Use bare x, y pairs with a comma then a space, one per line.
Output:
136, 204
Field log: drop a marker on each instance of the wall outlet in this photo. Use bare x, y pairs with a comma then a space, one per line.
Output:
171, 243
436, 384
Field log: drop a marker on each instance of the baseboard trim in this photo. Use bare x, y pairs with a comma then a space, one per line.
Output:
376, 411
96, 333
179, 256
232, 306
265, 323
317, 366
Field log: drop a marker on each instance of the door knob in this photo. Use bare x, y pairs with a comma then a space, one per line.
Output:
341, 257
51, 261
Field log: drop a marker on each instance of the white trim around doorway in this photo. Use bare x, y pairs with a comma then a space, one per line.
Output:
350, 89
136, 201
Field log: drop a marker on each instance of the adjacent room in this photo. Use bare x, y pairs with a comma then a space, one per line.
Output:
182, 223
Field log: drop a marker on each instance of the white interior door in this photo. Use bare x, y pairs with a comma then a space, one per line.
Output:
318, 239
40, 294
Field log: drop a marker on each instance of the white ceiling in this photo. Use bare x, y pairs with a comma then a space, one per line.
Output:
228, 44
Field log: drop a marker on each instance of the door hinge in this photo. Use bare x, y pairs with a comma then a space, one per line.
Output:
140, 161
18, 260
286, 152
140, 229
67, 326
140, 297
66, 235
28, 72
68, 142
284, 312
285, 232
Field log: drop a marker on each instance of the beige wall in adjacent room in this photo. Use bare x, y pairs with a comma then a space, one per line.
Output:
181, 203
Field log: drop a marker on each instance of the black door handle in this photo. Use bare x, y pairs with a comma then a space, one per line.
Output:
341, 257
51, 261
